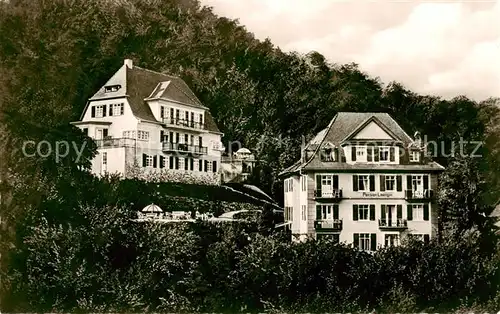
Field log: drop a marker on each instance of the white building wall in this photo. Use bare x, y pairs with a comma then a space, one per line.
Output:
351, 197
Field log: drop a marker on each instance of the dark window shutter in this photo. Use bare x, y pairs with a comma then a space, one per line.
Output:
382, 212
353, 153
355, 182
373, 238
162, 135
409, 212
318, 212
191, 162
162, 162
105, 133
426, 182
426, 211
104, 110
399, 183
171, 137
176, 162
171, 162
200, 165
144, 159
111, 110
93, 112
214, 166
426, 238
372, 182
336, 182
391, 154
336, 211
200, 141
186, 164
399, 211
372, 212
155, 161
121, 109
206, 166
382, 183
318, 185
376, 154
354, 212
356, 240
408, 182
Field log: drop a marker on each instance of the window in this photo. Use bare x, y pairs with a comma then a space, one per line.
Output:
216, 145
416, 183
364, 212
116, 109
414, 156
361, 153
390, 183
304, 212
303, 180
104, 158
391, 240
129, 134
112, 88
418, 212
209, 167
143, 135
99, 111
201, 119
328, 212
288, 214
181, 163
384, 154
149, 161
328, 153
364, 183
364, 241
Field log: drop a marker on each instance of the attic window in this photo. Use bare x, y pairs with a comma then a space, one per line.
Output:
112, 88
328, 153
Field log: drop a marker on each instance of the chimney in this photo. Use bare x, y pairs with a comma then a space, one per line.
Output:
129, 63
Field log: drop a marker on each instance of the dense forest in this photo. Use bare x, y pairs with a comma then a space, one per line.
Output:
55, 54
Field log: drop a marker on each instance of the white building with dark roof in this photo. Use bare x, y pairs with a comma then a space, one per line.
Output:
154, 121
364, 181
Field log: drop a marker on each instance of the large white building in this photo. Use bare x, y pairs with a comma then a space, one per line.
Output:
364, 181
151, 120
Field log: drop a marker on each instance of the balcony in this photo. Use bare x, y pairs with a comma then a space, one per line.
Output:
184, 124
419, 195
334, 195
184, 148
328, 225
110, 142
398, 224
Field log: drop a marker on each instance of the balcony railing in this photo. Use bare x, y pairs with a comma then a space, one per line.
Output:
328, 225
185, 148
392, 224
184, 123
115, 142
419, 195
335, 194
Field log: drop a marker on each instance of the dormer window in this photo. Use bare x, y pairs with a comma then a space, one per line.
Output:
112, 88
328, 152
414, 156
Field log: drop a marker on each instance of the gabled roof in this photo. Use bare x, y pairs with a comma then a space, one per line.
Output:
342, 128
138, 84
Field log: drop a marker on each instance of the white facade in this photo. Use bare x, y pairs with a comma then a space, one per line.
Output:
151, 120
371, 195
